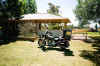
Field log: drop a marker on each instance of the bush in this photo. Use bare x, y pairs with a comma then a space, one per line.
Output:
26, 29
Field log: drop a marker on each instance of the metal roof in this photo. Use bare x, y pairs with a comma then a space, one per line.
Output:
41, 16
44, 18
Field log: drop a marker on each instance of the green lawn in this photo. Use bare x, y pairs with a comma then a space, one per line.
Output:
26, 53
93, 34
17, 53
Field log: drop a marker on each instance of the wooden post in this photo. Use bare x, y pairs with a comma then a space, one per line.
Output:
39, 26
86, 36
65, 26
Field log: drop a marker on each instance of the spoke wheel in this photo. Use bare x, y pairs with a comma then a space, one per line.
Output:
41, 42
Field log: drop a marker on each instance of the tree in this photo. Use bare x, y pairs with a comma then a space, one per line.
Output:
11, 8
88, 10
14, 9
53, 9
81, 13
29, 6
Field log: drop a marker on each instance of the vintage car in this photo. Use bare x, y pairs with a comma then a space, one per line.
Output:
55, 38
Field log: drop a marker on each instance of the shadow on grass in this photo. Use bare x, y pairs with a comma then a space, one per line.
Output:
67, 52
95, 39
93, 56
7, 41
13, 39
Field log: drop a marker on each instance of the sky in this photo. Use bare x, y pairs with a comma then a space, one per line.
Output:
66, 8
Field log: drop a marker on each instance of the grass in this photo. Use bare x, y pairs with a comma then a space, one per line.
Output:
13, 54
25, 53
17, 53
93, 34
91, 55
83, 31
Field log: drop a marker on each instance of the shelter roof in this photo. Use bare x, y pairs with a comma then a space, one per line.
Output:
44, 18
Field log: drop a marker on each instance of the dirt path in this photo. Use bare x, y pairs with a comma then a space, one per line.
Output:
71, 57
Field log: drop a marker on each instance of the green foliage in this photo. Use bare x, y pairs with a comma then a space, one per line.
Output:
16, 8
54, 26
81, 13
29, 31
29, 6
93, 9
69, 27
87, 10
93, 34
53, 9
11, 8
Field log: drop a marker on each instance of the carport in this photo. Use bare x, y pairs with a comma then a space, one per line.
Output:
38, 19
44, 18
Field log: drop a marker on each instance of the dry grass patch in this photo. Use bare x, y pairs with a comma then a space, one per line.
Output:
25, 53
